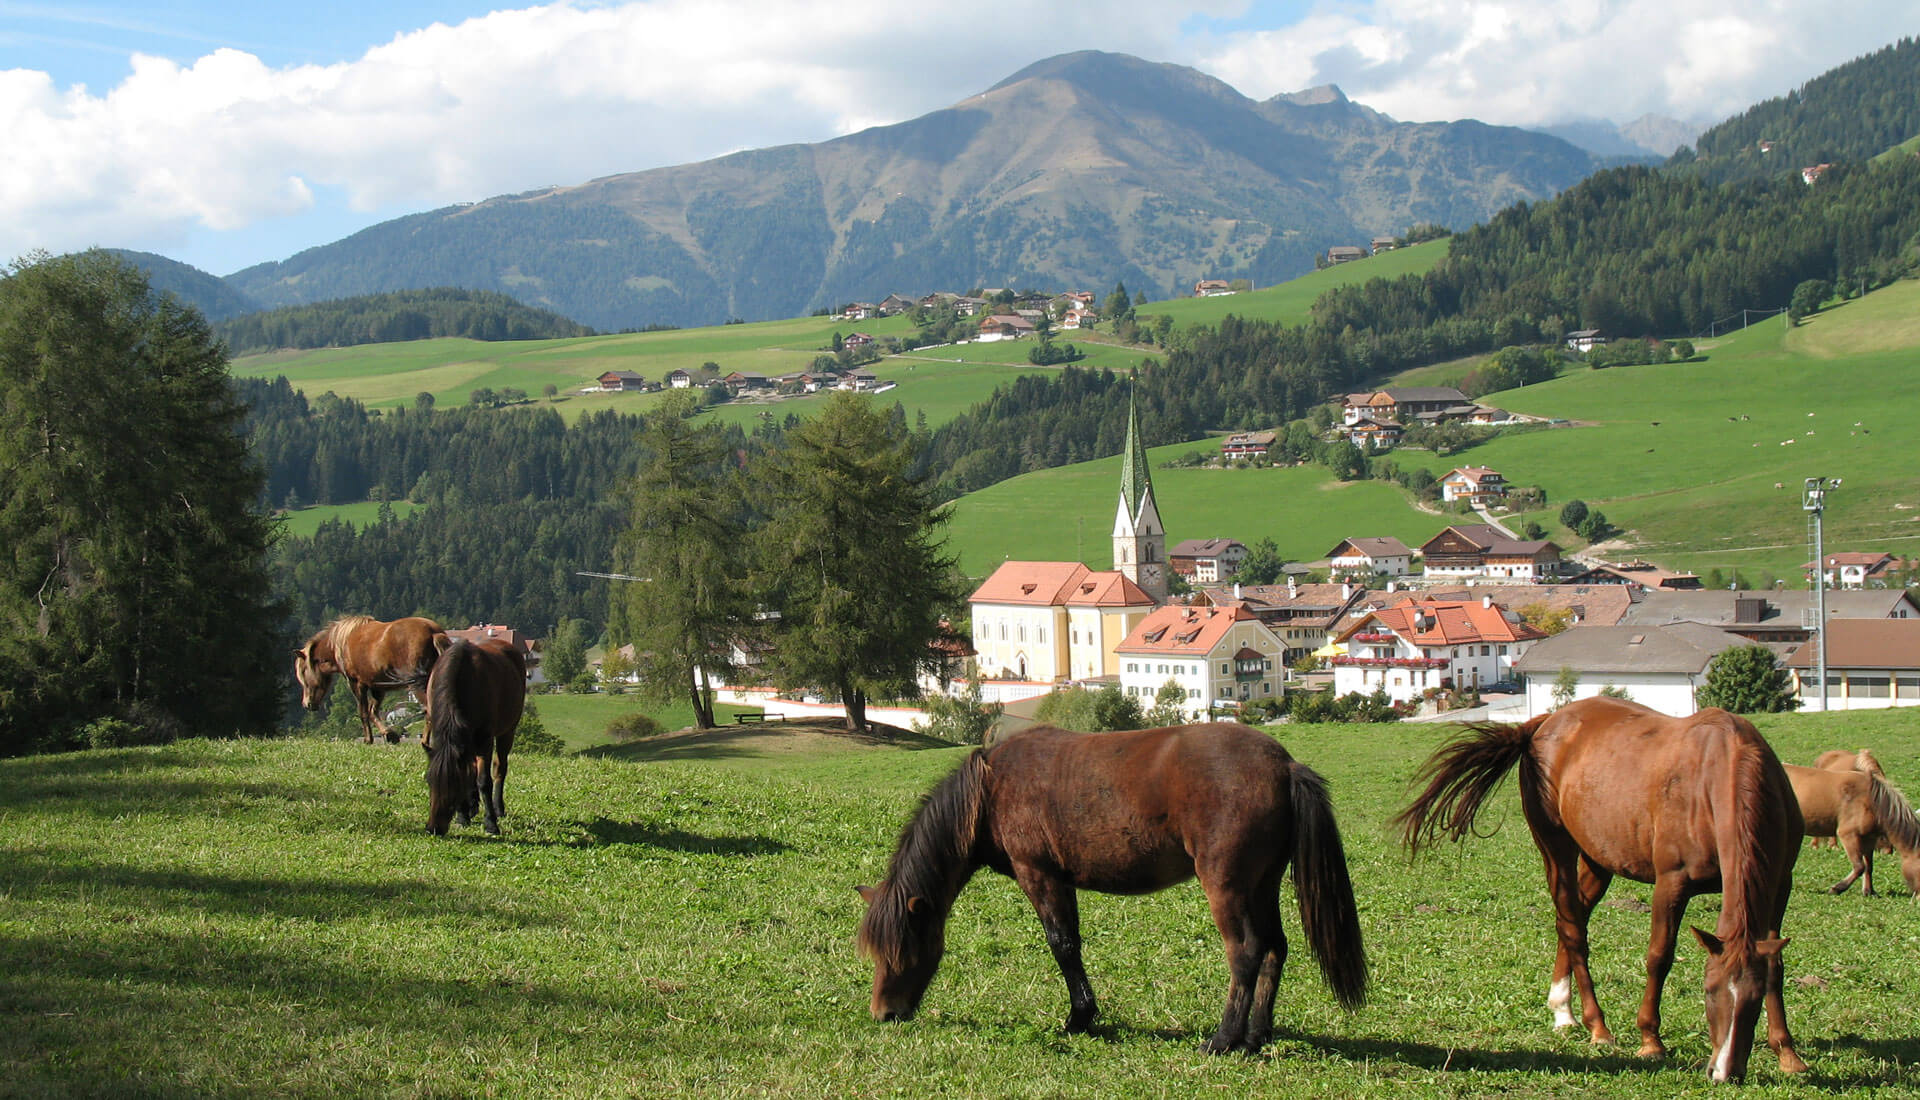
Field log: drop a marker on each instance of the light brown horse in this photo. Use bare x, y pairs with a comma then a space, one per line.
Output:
375, 657
474, 701
1861, 810
1692, 805
1126, 813
1840, 760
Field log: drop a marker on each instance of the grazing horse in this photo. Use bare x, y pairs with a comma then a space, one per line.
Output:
1861, 810
474, 702
1126, 813
1691, 805
1840, 760
375, 657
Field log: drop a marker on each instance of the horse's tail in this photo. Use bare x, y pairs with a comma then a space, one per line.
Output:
1461, 774
1320, 881
1897, 818
451, 733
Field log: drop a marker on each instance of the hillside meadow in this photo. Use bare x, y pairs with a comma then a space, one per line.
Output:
269, 917
1291, 302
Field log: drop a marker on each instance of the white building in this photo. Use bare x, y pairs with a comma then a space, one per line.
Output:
1051, 621
1663, 667
1421, 644
1389, 557
1215, 654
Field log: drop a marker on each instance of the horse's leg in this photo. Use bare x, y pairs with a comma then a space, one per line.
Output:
379, 699
1246, 946
1593, 885
1058, 907
1860, 855
1576, 886
1669, 904
468, 803
486, 793
500, 783
1272, 963
362, 707
1778, 1037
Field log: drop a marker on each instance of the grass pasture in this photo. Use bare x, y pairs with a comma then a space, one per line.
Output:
1289, 302
305, 521
248, 918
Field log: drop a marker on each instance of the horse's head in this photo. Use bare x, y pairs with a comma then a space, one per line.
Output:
312, 674
905, 938
1736, 986
1910, 870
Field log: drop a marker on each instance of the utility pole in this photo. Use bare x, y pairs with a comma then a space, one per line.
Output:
1814, 503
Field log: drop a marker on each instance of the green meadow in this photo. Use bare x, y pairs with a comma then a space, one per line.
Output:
305, 521
1290, 302
243, 918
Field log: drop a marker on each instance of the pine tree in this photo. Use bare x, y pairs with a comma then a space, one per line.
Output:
1748, 680
852, 557
136, 581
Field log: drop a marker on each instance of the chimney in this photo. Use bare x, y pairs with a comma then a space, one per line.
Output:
1487, 601
1392, 587
1236, 590
1292, 588
1346, 590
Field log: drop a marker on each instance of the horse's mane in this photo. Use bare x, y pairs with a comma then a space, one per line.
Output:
1749, 876
934, 848
1865, 761
337, 632
1897, 819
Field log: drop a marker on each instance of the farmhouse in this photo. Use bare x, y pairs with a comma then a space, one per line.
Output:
529, 647
1388, 557
1871, 664
1207, 560
743, 381
1483, 550
1595, 604
617, 380
1383, 244
1215, 654
1052, 621
1854, 570
678, 379
1663, 667
1473, 483
1636, 575
1585, 340
1004, 326
1212, 288
1302, 616
1402, 404
1247, 444
1427, 643
1772, 617
1345, 253
1370, 432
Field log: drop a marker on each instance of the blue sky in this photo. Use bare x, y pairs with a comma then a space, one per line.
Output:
226, 134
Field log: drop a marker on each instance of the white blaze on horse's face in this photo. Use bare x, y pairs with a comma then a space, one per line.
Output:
313, 685
1560, 1000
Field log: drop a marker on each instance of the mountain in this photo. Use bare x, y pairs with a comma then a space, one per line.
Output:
393, 316
208, 293
1649, 138
1077, 171
1850, 113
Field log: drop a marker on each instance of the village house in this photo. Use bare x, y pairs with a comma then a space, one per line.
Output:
1585, 340
1635, 574
529, 647
1207, 560
1853, 570
1212, 288
615, 381
1370, 432
1813, 172
945, 672
1595, 604
1345, 253
1776, 617
1303, 616
1423, 643
1871, 664
678, 379
1476, 484
895, 303
1247, 444
746, 381
1053, 621
1483, 550
860, 311
1004, 326
1663, 667
1216, 655
856, 340
1387, 557
1402, 404
1383, 244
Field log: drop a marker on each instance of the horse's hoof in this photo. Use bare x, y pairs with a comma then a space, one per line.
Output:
493, 828
1652, 1050
1790, 1061
392, 738
1217, 1045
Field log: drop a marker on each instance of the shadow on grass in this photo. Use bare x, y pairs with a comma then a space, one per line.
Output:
753, 741
605, 832
299, 895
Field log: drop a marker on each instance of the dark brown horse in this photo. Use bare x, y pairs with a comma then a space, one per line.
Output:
474, 700
1691, 805
375, 657
1126, 813
1863, 811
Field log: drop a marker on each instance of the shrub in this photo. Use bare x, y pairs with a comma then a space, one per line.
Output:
963, 719
533, 738
634, 727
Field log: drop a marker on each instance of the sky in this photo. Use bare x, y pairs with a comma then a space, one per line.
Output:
225, 133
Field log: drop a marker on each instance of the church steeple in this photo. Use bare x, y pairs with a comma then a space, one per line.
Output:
1139, 540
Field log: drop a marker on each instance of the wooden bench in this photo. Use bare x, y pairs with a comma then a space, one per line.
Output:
748, 718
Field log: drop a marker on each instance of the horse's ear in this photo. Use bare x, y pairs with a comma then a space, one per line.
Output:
1714, 944
914, 904
1768, 948
441, 642
868, 893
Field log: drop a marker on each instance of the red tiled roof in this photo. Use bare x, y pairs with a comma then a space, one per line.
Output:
1051, 583
1448, 622
1186, 631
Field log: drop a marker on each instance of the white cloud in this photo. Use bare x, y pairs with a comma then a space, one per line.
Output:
563, 93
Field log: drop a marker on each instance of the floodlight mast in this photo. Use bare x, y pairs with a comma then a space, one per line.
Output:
1814, 503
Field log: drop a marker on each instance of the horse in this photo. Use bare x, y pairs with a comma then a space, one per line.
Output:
1691, 805
1861, 810
375, 657
474, 701
1125, 813
1840, 760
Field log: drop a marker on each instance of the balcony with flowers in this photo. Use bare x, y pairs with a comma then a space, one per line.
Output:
1391, 662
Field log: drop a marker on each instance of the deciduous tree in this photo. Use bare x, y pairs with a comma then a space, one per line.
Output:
1748, 680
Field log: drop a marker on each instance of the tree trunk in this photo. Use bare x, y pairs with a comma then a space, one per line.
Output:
856, 705
702, 701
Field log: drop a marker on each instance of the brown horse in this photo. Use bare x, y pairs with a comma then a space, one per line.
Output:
474, 702
1862, 810
1692, 805
375, 657
1840, 760
1126, 813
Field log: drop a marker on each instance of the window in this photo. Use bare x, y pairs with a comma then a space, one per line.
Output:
1225, 667
1868, 687
1133, 666
1503, 651
1040, 635
1909, 687
1003, 632
1023, 632
1486, 651
1193, 693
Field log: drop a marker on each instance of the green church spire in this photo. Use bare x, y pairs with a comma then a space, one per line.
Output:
1136, 481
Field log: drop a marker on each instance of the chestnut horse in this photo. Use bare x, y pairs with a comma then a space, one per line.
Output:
1861, 810
1840, 760
474, 700
1691, 805
1126, 813
375, 657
